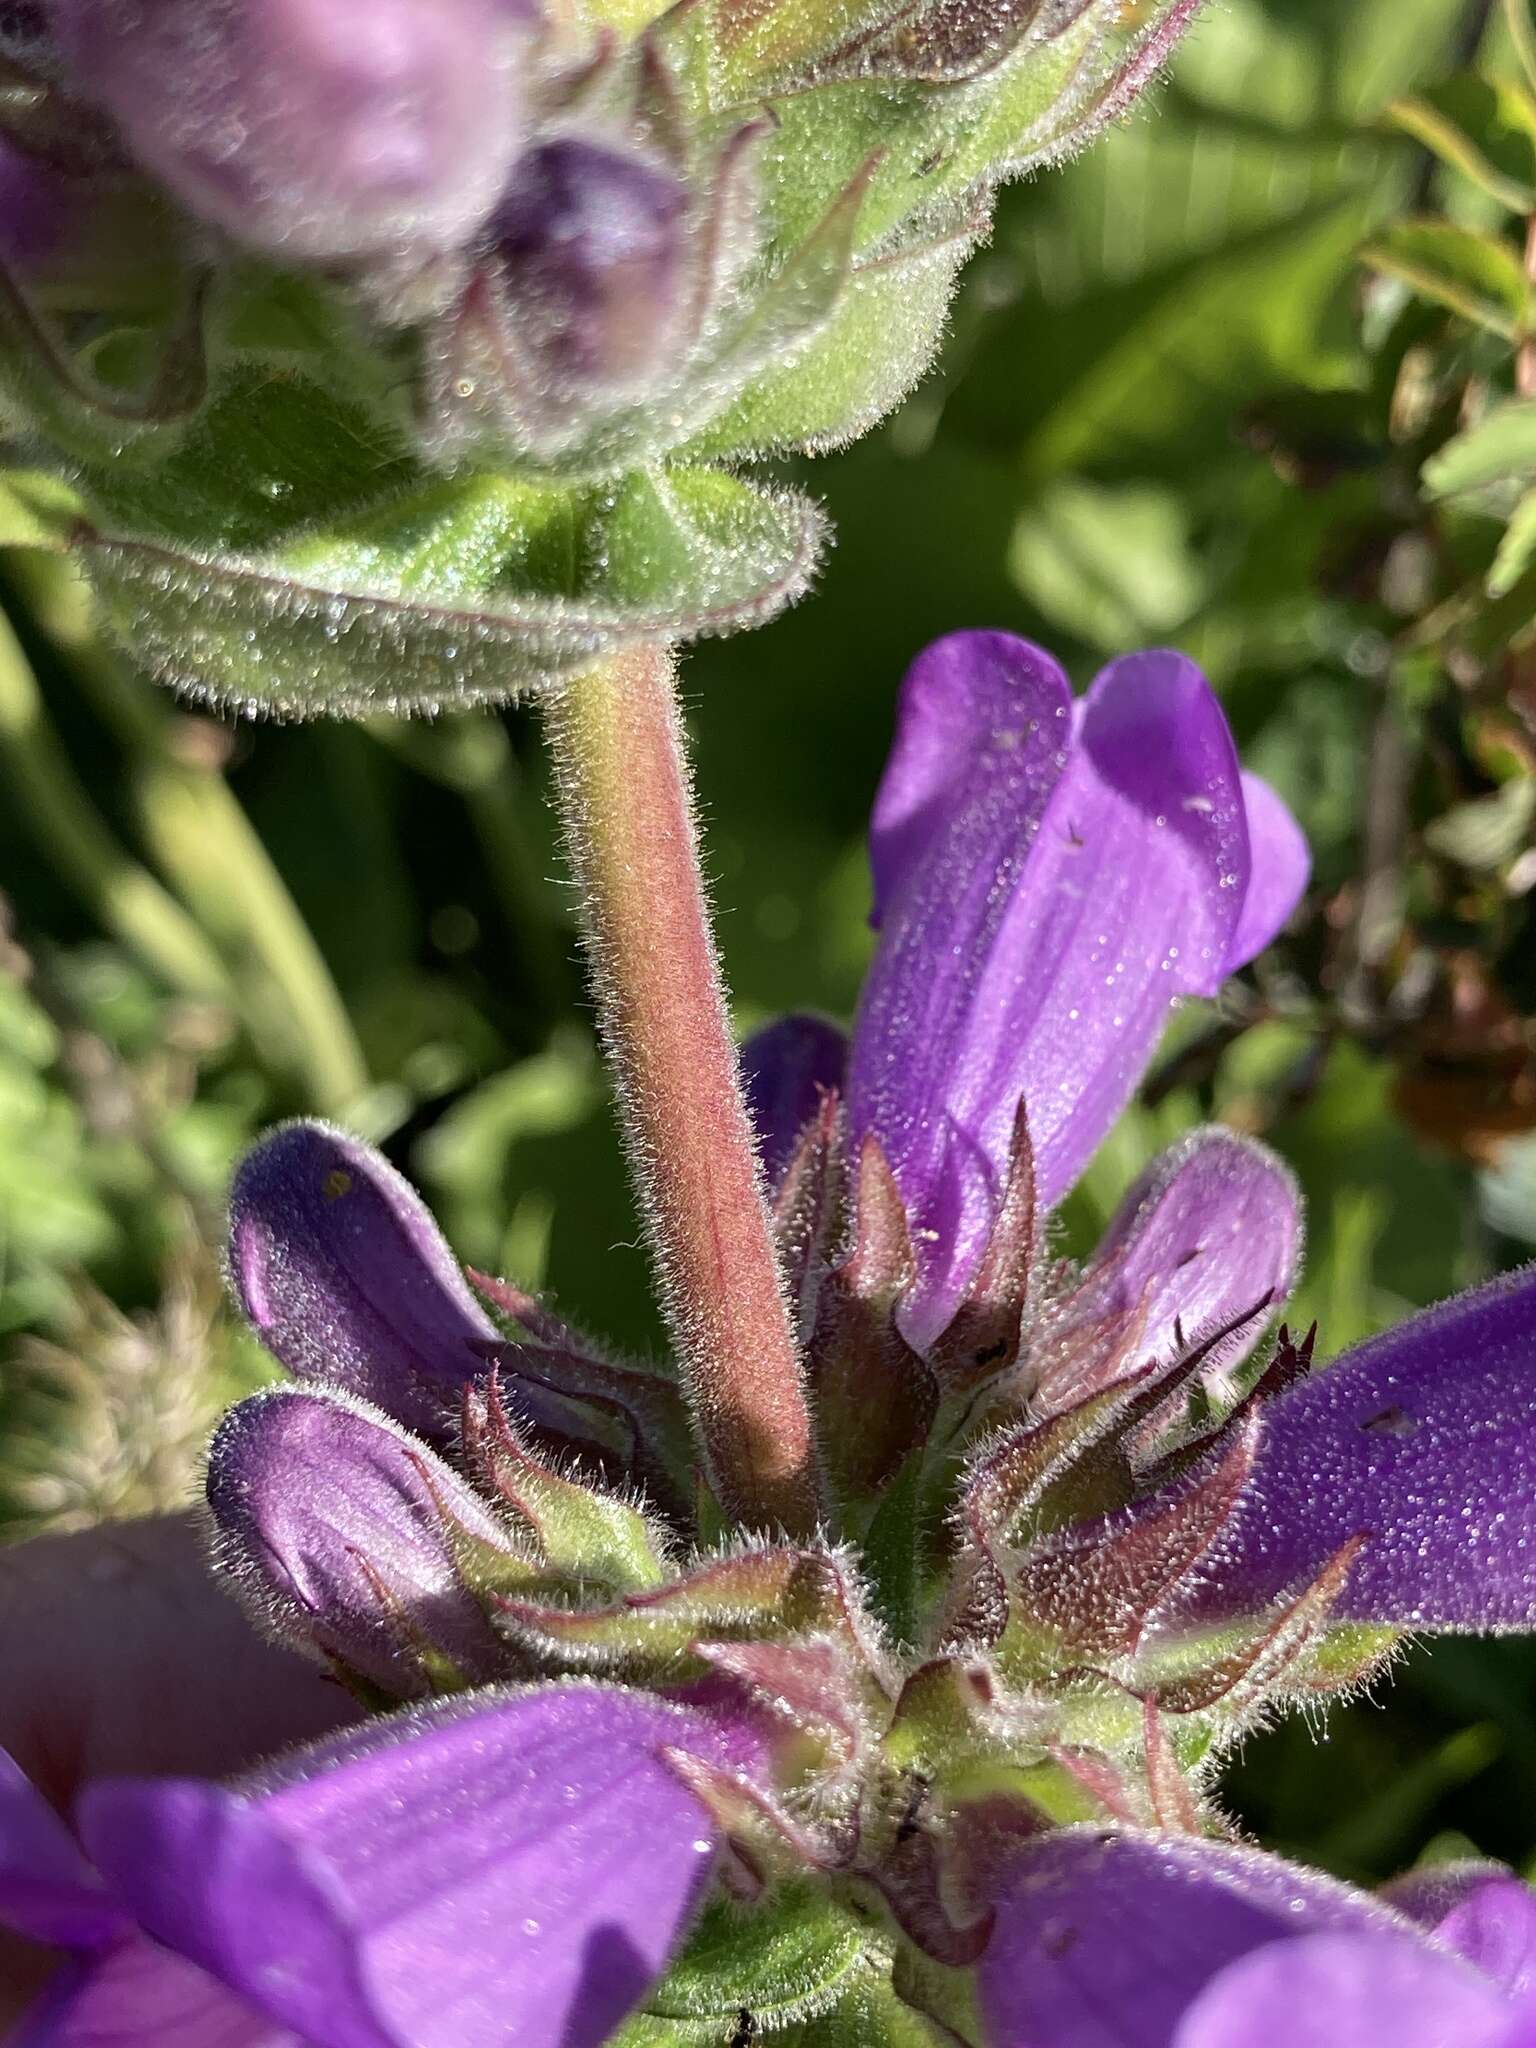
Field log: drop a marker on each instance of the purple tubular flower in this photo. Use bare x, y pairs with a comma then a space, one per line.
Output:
592, 246
348, 1281
342, 1535
1049, 878
1136, 1941
318, 130
788, 1067
1421, 1441
1210, 1232
517, 1856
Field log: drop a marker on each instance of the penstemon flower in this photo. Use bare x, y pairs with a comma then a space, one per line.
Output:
943, 1770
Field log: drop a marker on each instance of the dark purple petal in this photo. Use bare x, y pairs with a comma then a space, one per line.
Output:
39, 207
141, 1996
1279, 865
1211, 1231
1104, 1941
1045, 897
592, 243
1424, 1441
342, 1535
317, 129
346, 1278
787, 1068
520, 1857
1346, 1991
48, 1892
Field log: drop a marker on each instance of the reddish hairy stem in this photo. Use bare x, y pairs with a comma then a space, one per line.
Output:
630, 830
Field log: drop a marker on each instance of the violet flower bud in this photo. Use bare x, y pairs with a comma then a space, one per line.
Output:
318, 130
345, 1536
593, 250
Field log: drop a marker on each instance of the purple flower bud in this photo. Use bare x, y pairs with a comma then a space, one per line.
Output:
345, 1535
593, 248
320, 130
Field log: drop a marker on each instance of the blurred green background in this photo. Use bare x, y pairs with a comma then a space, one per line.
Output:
1166, 412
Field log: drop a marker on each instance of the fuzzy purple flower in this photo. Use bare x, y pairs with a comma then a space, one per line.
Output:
529, 1855
947, 1755
1050, 876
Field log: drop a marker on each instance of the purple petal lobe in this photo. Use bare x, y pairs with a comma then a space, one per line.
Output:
1346, 1991
339, 1531
522, 1855
1424, 1441
347, 1279
971, 706
1494, 1926
787, 1068
142, 1996
1104, 1941
1280, 863
1045, 895
48, 1892
1211, 1231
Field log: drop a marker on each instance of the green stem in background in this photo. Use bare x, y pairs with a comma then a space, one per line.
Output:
207, 848
629, 824
471, 754
1517, 14
125, 897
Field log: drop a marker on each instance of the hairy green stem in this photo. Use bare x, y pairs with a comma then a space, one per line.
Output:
633, 842
69, 829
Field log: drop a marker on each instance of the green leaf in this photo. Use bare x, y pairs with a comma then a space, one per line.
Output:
1481, 130
36, 510
1490, 464
1475, 275
1516, 549
787, 1959
1115, 566
871, 2016
1488, 830
293, 561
